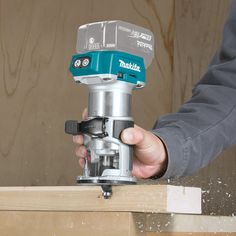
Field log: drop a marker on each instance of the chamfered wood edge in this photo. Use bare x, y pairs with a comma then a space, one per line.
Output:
184, 199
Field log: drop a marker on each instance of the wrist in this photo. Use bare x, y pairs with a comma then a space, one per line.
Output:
163, 160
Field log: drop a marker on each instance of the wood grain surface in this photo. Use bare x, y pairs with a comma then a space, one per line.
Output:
21, 223
129, 198
37, 94
66, 223
189, 233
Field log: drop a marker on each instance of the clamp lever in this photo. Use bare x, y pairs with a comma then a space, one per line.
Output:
94, 127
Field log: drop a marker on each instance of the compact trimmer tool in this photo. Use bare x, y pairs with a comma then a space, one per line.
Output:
111, 61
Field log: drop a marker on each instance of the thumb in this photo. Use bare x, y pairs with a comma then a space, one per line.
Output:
149, 149
139, 137
132, 136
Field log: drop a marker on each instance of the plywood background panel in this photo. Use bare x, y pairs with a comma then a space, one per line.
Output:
198, 28
37, 94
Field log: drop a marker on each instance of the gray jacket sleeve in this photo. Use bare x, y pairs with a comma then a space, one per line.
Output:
206, 124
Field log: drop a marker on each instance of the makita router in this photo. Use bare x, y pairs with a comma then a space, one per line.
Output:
111, 61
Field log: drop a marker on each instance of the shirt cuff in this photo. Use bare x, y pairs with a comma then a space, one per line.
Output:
177, 151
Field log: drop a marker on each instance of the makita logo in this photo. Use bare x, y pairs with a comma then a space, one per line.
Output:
130, 66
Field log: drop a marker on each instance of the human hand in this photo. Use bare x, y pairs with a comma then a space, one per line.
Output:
150, 157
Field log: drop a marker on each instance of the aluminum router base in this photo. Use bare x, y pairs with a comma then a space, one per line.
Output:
108, 180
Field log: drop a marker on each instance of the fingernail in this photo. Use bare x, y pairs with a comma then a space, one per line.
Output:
128, 136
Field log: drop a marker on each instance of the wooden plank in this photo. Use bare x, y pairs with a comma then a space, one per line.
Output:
189, 233
65, 224
136, 198
188, 223
35, 223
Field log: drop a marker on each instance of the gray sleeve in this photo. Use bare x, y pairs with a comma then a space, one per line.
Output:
206, 124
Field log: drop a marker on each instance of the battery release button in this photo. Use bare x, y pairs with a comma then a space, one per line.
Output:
85, 62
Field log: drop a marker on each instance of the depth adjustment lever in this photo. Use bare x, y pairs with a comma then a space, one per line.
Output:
94, 127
